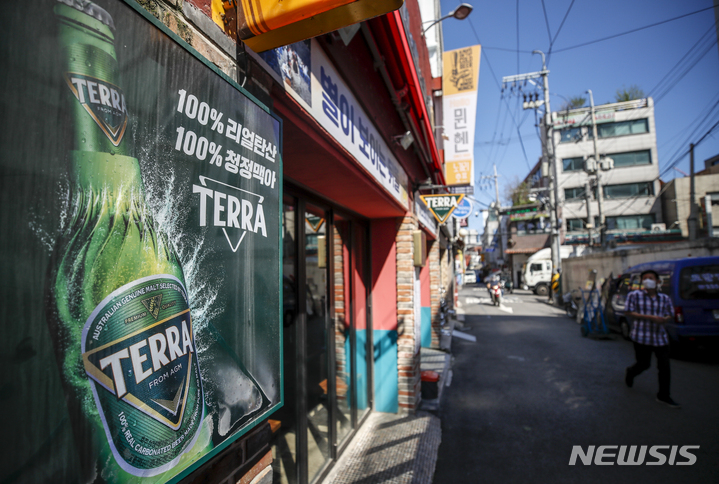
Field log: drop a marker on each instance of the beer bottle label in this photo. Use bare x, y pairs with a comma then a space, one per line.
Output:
139, 352
104, 102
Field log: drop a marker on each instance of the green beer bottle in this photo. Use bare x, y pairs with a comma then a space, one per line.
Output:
118, 308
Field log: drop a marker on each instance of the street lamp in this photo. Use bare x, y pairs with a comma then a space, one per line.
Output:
460, 13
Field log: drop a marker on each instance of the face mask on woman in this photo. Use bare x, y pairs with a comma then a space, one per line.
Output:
649, 284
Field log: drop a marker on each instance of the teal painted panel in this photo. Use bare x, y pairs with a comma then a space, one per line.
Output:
361, 375
385, 371
426, 327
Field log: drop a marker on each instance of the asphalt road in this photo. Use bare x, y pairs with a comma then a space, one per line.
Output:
532, 387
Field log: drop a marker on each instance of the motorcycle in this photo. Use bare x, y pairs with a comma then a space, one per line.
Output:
495, 292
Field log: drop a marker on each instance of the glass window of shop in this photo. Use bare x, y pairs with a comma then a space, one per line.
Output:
325, 339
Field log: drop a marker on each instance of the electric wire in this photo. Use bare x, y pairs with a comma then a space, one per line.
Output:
494, 76
677, 158
546, 22
551, 44
686, 71
669, 143
630, 31
517, 36
674, 69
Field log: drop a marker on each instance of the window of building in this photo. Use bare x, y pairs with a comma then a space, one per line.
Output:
530, 227
570, 135
632, 158
573, 164
575, 224
630, 222
623, 128
627, 190
574, 193
579, 224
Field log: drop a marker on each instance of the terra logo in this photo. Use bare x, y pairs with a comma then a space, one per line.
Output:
634, 455
240, 212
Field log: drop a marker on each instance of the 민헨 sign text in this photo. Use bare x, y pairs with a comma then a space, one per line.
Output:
459, 90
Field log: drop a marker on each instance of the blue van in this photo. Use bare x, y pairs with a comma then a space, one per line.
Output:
693, 286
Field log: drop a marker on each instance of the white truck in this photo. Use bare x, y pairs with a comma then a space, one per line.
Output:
537, 271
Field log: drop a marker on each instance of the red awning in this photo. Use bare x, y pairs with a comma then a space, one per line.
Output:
395, 48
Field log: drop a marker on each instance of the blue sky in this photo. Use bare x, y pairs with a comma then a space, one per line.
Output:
651, 58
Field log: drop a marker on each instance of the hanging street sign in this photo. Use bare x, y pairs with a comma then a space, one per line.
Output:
314, 223
442, 206
463, 210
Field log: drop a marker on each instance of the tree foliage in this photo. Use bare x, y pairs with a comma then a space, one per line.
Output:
575, 102
517, 192
629, 94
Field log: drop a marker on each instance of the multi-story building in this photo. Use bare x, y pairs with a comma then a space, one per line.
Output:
528, 225
626, 133
676, 201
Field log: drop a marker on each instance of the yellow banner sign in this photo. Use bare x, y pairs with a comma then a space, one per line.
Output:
461, 70
460, 77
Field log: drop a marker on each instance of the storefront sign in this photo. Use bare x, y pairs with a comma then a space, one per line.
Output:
527, 214
141, 225
459, 90
424, 216
309, 76
463, 210
581, 119
442, 206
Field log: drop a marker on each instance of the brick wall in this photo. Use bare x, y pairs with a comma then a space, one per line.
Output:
407, 359
435, 284
341, 324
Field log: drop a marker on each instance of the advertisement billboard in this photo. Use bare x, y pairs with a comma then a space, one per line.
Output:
459, 103
140, 249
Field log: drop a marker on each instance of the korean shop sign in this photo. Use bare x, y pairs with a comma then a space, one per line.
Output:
459, 89
311, 79
569, 120
425, 216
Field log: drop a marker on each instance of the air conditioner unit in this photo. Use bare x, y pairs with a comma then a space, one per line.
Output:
590, 165
606, 164
659, 227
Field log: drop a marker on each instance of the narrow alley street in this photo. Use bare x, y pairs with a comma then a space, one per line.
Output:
532, 387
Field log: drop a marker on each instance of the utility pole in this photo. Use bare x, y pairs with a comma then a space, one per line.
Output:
692, 221
553, 181
496, 185
502, 230
588, 201
548, 146
600, 195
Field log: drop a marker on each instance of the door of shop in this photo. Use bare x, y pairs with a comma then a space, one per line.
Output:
326, 339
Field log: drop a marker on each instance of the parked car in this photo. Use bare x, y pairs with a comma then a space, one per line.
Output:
470, 277
691, 283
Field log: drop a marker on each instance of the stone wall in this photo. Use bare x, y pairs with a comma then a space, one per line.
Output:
576, 269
